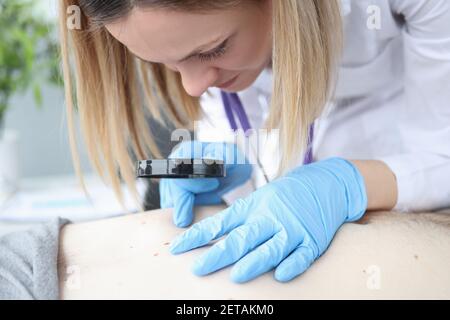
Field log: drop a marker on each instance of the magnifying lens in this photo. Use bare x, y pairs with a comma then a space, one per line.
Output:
180, 168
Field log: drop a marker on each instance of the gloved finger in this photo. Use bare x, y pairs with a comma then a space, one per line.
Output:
182, 200
183, 209
262, 259
236, 176
208, 198
197, 185
165, 194
295, 264
211, 228
237, 244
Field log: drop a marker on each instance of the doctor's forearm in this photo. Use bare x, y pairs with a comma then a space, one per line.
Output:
381, 184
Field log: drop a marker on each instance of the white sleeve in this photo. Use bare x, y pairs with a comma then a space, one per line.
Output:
423, 171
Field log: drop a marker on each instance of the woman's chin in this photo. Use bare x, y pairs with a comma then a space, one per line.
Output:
241, 84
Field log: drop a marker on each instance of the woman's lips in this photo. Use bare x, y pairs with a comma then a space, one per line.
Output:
228, 83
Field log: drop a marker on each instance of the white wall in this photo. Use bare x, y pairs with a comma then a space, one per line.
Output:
43, 139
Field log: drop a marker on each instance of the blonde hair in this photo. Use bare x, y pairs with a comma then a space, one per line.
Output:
107, 86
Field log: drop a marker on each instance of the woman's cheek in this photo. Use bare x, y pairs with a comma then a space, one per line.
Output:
255, 50
241, 58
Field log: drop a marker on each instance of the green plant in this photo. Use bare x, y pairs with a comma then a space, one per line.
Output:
28, 52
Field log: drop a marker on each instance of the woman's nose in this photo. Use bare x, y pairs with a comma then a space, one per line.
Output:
197, 79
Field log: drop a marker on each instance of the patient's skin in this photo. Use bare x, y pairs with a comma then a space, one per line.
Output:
385, 255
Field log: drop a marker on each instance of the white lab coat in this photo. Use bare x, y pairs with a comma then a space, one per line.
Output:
392, 101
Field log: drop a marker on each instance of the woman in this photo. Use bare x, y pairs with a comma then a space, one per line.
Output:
388, 105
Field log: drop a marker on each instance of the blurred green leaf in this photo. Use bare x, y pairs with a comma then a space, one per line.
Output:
37, 92
28, 52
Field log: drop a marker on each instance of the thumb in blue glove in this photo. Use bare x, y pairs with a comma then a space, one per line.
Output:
183, 194
286, 224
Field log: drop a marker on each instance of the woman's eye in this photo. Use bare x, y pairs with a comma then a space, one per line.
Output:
220, 51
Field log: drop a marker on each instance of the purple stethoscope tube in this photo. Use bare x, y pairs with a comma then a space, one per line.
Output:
233, 106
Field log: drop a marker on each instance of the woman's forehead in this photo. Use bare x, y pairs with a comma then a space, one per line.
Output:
170, 35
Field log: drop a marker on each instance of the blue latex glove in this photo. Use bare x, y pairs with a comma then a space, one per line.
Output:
287, 224
183, 194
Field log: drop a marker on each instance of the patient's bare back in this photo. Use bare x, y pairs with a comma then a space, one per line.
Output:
384, 255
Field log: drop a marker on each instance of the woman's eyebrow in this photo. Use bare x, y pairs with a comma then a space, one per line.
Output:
195, 52
199, 49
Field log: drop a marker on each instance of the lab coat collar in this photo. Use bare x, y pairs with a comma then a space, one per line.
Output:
264, 82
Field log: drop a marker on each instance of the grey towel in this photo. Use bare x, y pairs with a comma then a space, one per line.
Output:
28, 263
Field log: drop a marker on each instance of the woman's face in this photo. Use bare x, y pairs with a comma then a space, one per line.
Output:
208, 50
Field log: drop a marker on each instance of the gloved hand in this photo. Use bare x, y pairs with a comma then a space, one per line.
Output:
183, 194
286, 224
